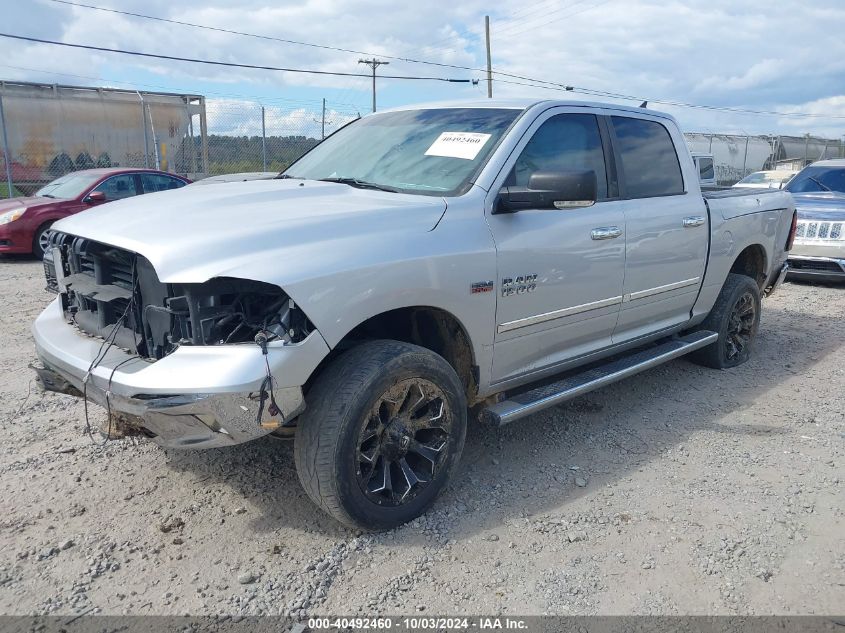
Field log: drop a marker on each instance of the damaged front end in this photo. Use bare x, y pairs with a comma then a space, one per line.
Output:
188, 365
112, 293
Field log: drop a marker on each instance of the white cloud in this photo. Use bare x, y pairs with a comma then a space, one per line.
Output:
756, 54
232, 117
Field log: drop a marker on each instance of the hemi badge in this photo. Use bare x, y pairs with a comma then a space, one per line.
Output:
481, 286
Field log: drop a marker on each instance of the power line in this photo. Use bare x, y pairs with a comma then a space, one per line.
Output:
262, 37
544, 21
518, 24
220, 95
534, 80
517, 15
529, 9
281, 40
510, 22
209, 28
228, 64
680, 104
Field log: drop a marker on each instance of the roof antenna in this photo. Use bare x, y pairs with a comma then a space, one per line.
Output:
644, 104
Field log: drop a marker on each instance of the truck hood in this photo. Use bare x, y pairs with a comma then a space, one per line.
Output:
820, 206
196, 233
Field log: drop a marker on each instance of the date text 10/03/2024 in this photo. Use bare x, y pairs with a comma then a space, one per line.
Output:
418, 623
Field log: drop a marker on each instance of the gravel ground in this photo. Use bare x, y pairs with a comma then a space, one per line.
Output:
680, 491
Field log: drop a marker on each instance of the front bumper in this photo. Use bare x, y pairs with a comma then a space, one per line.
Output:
15, 238
196, 397
816, 268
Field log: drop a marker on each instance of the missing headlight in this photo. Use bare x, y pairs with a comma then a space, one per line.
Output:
226, 310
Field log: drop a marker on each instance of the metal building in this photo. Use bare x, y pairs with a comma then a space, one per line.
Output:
52, 129
737, 155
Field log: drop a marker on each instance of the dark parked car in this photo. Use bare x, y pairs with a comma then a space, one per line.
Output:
819, 251
25, 222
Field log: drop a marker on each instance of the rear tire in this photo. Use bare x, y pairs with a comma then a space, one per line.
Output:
383, 431
40, 240
736, 318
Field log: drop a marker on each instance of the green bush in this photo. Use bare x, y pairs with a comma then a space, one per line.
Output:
4, 191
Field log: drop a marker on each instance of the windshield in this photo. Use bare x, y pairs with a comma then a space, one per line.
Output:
434, 152
818, 179
757, 178
766, 177
68, 187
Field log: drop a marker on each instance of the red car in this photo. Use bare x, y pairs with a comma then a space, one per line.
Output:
25, 222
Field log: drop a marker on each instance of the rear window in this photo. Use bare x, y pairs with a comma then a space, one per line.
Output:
160, 182
649, 162
705, 169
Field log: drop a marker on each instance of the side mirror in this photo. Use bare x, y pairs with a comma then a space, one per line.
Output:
95, 197
550, 190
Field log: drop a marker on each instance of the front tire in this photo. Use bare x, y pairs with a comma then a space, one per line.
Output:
736, 318
383, 431
41, 240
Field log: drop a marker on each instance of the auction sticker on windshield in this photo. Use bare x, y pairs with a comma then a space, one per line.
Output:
458, 145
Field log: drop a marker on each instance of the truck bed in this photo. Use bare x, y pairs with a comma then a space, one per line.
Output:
736, 202
736, 192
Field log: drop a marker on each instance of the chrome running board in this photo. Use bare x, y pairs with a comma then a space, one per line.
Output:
526, 403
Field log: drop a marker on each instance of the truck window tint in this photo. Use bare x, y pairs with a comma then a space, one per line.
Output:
159, 182
705, 169
566, 142
649, 162
118, 187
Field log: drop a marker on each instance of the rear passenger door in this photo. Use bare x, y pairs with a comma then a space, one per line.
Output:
666, 227
160, 182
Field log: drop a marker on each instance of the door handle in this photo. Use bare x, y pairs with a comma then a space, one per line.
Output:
694, 220
605, 233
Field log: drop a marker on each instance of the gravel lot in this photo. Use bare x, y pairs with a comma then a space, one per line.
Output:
680, 491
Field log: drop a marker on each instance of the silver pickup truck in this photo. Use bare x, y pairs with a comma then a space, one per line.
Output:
419, 267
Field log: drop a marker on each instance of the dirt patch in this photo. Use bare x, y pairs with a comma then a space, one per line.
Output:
680, 491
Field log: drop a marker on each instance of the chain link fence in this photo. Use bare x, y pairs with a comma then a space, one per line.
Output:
49, 131
738, 155
250, 137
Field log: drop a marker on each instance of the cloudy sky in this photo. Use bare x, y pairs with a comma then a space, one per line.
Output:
786, 56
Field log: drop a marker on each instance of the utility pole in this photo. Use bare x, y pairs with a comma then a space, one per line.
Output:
489, 62
322, 121
263, 141
745, 158
373, 63
6, 152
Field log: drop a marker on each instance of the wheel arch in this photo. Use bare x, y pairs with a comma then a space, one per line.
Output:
752, 262
43, 223
430, 327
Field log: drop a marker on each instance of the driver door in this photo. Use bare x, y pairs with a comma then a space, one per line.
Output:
560, 270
